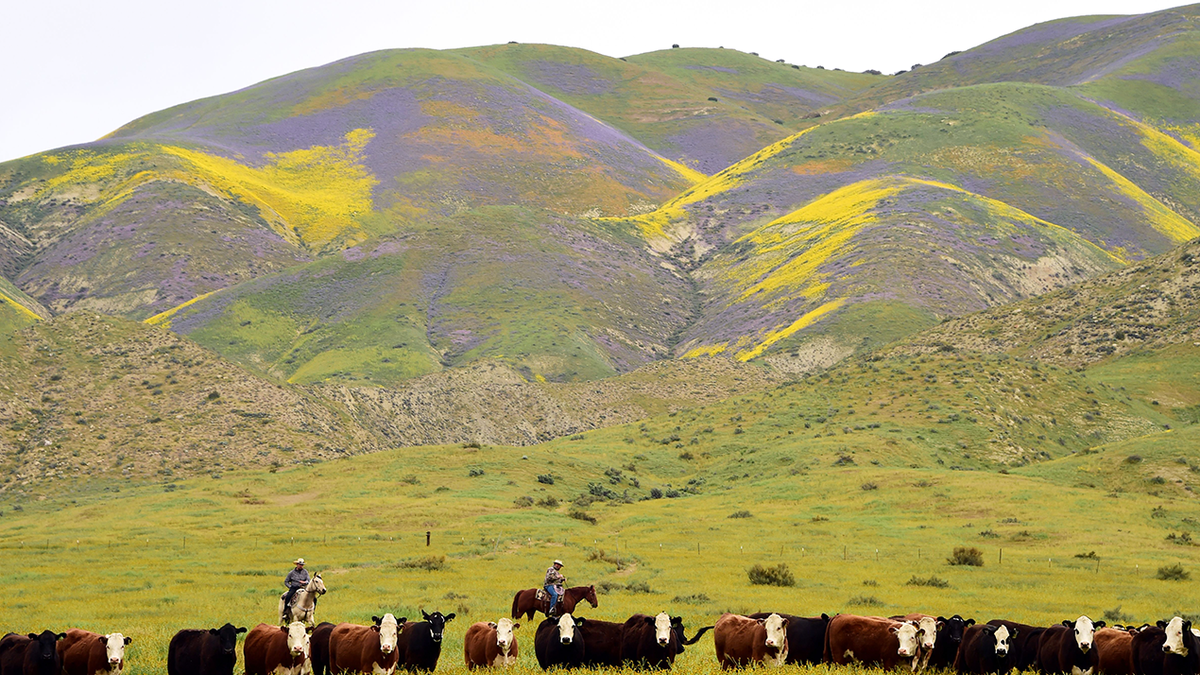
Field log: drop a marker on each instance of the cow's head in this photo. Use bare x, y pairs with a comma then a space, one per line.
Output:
389, 630
504, 633
566, 628
47, 649
437, 623
297, 638
927, 629
776, 630
1002, 638
663, 625
1176, 629
316, 584
1085, 631
114, 647
906, 634
953, 628
227, 637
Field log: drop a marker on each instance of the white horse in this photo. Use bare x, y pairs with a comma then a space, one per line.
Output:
304, 603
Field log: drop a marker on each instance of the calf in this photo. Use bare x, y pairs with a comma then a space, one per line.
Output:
86, 653
985, 649
273, 650
870, 640
741, 641
1023, 648
1115, 647
319, 648
488, 645
1067, 648
32, 654
805, 636
365, 649
421, 643
203, 652
557, 642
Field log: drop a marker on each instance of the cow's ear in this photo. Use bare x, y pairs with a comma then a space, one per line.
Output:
784, 624
492, 625
1068, 623
449, 617
425, 615
941, 623
761, 622
650, 620
677, 621
824, 616
241, 630
308, 629
894, 629
1099, 624
128, 640
400, 623
62, 636
1013, 633
579, 620
941, 619
516, 626
33, 636
969, 622
214, 631
1162, 624
376, 620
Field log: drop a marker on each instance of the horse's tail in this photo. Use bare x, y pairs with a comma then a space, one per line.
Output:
516, 605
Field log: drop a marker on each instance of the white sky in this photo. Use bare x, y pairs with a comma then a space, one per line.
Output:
75, 70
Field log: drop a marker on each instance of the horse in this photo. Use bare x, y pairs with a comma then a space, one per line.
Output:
526, 602
304, 603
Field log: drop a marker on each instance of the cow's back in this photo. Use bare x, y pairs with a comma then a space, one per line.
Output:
864, 639
475, 644
12, 654
1115, 650
82, 652
1146, 654
354, 648
602, 642
806, 636
265, 648
736, 638
1050, 649
418, 649
195, 652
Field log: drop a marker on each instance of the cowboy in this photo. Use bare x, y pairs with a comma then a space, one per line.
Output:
554, 584
294, 581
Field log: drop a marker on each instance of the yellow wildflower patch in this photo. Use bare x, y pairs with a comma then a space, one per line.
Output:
807, 320
706, 350
21, 309
164, 318
1168, 223
87, 166
318, 194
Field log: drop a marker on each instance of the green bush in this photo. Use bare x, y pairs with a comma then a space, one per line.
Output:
932, 582
779, 575
741, 514
1173, 573
966, 555
430, 563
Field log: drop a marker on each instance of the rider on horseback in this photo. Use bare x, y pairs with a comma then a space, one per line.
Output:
295, 580
554, 584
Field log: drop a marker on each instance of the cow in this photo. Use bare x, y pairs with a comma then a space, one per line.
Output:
1115, 647
274, 650
420, 643
949, 640
32, 654
319, 648
986, 649
741, 641
1023, 645
602, 642
1067, 648
928, 628
366, 649
805, 636
491, 644
1168, 648
870, 640
86, 653
203, 652
557, 642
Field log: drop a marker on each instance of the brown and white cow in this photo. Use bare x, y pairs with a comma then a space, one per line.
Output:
491, 644
741, 641
86, 653
273, 650
365, 649
870, 640
927, 632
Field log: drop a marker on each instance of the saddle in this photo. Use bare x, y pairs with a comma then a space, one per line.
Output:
542, 595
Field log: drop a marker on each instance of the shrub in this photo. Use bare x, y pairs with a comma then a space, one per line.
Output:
548, 502
989, 534
579, 514
966, 555
869, 486
1115, 615
932, 582
545, 479
474, 472
1090, 555
865, 601
1158, 512
523, 502
656, 493
607, 586
693, 599
741, 514
1173, 573
638, 587
779, 575
430, 563
1133, 459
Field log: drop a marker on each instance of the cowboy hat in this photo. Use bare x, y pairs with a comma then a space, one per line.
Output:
298, 561
559, 563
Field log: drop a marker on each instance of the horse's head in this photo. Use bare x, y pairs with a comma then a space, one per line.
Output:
316, 585
591, 597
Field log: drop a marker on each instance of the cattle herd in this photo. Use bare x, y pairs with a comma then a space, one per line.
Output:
914, 642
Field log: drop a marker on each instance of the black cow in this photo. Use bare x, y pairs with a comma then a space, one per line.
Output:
985, 649
1023, 650
421, 643
602, 642
319, 648
203, 652
949, 639
1067, 647
1157, 649
32, 654
805, 636
558, 642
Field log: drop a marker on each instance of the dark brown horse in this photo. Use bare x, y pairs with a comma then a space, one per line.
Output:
526, 602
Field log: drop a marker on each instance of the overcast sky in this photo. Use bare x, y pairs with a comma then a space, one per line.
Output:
75, 70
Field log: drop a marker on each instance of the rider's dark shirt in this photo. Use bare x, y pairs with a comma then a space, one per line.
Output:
296, 579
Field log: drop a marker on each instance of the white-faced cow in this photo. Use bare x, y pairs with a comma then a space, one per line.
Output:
1067, 648
928, 628
365, 649
1168, 648
86, 653
805, 636
203, 652
741, 641
870, 640
274, 650
985, 650
557, 643
491, 644
1023, 648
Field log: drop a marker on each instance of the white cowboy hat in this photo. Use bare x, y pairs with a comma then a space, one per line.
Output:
559, 563
298, 561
